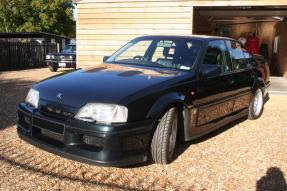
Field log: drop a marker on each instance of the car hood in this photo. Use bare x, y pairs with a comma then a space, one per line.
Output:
107, 83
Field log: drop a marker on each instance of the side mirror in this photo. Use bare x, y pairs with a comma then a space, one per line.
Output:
209, 70
105, 58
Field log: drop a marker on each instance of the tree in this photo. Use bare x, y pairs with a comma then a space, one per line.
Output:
52, 16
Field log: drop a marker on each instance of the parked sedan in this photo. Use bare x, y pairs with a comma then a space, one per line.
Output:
152, 93
64, 59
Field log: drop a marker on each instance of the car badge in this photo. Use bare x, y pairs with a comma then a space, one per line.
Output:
59, 95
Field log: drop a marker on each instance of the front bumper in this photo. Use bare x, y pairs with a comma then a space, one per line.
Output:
120, 145
61, 63
266, 94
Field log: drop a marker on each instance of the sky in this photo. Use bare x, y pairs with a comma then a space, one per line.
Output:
75, 12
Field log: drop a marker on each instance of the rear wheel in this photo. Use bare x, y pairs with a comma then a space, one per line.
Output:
53, 68
164, 138
256, 106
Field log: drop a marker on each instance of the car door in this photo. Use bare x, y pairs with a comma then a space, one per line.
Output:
214, 99
242, 76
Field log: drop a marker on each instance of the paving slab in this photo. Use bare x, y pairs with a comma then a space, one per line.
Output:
278, 86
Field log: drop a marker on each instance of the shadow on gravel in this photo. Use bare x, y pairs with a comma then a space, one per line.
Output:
273, 181
183, 146
68, 178
12, 92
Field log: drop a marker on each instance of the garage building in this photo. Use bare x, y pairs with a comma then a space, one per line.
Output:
105, 25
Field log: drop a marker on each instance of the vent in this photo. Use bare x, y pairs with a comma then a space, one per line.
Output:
130, 73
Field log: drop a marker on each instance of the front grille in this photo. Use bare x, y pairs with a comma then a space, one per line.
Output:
57, 111
63, 58
48, 125
52, 135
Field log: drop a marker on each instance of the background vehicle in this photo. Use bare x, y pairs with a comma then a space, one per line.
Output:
65, 59
151, 93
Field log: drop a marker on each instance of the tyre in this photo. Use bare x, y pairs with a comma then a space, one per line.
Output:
164, 138
257, 105
53, 68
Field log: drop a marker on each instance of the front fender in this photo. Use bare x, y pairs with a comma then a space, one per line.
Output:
258, 82
164, 102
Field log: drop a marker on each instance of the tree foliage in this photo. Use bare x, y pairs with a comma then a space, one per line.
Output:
52, 16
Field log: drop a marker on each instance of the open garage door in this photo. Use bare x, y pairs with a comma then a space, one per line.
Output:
266, 24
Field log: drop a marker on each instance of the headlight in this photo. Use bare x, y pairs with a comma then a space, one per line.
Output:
71, 57
48, 57
53, 56
33, 98
103, 113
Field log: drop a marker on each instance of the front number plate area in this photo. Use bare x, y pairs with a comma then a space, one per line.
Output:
62, 64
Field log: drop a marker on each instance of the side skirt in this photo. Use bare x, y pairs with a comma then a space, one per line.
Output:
215, 125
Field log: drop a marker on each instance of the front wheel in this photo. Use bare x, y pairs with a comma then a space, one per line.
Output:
74, 66
256, 106
53, 68
164, 138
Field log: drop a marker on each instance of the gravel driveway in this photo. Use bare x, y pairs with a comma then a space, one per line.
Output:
246, 155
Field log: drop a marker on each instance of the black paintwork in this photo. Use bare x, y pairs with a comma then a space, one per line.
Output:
208, 100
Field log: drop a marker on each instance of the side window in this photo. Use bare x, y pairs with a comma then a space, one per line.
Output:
216, 55
237, 55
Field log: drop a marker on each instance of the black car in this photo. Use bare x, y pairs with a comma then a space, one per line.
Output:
64, 59
153, 92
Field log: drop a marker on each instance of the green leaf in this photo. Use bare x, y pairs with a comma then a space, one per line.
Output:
52, 16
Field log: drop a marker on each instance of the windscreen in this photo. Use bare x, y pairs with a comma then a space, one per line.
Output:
179, 53
69, 49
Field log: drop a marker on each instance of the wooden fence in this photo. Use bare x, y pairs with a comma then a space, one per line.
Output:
18, 55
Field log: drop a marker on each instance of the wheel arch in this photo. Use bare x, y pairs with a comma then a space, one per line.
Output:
166, 102
258, 83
